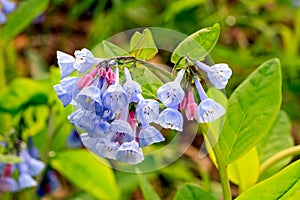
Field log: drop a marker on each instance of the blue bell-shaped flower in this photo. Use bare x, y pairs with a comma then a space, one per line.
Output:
65, 63
66, 89
106, 148
132, 88
149, 135
171, 93
147, 111
25, 180
171, 119
130, 152
217, 74
120, 131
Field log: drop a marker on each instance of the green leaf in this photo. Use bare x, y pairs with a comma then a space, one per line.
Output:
192, 192
147, 190
82, 169
244, 172
11, 159
150, 84
276, 140
283, 185
23, 16
21, 93
107, 50
251, 111
142, 45
197, 45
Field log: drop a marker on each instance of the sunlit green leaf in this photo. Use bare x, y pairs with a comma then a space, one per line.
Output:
81, 168
192, 192
276, 140
23, 16
283, 185
251, 111
244, 172
21, 93
11, 159
197, 45
107, 49
142, 45
148, 191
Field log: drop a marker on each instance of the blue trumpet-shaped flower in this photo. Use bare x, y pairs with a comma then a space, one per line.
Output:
208, 110
106, 148
171, 93
149, 135
65, 63
7, 183
89, 141
66, 89
89, 98
6, 7
34, 166
147, 111
217, 74
115, 97
171, 118
132, 88
130, 152
120, 131
25, 180
84, 60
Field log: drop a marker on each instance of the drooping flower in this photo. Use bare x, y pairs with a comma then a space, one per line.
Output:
89, 98
132, 88
217, 74
208, 110
171, 119
149, 135
66, 89
191, 106
130, 152
65, 63
84, 60
120, 131
147, 111
115, 98
171, 93
106, 148
25, 180
34, 166
6, 7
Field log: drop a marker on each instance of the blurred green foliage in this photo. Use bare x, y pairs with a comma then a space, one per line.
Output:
251, 32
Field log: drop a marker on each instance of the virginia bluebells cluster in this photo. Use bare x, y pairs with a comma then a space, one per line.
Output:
116, 119
29, 167
6, 7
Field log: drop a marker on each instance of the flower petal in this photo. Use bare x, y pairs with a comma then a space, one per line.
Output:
147, 111
149, 135
209, 110
130, 152
171, 118
65, 63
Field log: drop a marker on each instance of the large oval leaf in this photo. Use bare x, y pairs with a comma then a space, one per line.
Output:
107, 50
276, 140
251, 111
192, 192
197, 45
283, 185
87, 173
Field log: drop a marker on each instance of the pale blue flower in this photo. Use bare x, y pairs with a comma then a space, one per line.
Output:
8, 6
2, 17
89, 142
171, 93
34, 166
171, 119
66, 89
106, 148
130, 152
132, 88
84, 60
208, 110
88, 121
89, 98
115, 98
147, 111
25, 180
120, 131
217, 74
65, 63
8, 184
149, 135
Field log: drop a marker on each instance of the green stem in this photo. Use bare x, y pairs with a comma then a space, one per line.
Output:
222, 166
292, 151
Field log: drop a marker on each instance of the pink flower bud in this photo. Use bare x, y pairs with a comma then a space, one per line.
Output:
85, 80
